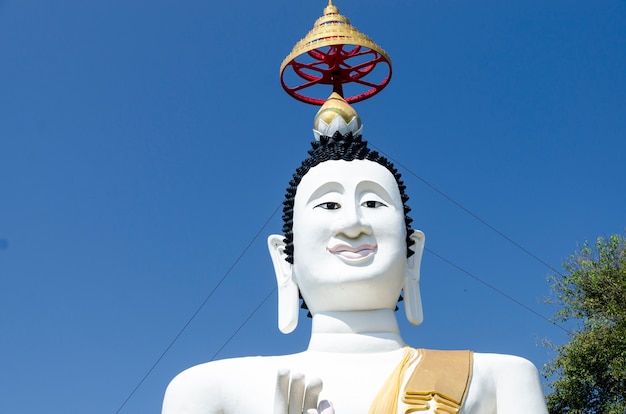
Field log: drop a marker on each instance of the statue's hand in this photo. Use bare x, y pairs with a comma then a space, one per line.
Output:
295, 396
324, 407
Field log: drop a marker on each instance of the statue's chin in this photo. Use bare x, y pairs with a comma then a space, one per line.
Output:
352, 292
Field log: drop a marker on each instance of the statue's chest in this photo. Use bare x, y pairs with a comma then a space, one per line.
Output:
432, 383
352, 387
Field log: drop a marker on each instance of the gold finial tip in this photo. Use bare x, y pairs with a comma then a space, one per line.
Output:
331, 8
336, 115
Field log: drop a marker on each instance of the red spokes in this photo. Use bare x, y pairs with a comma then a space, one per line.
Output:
335, 65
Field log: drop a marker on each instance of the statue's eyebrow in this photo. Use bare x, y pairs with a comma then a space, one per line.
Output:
373, 186
330, 186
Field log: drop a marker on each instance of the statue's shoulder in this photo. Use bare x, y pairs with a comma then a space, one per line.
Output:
217, 372
502, 364
510, 381
212, 386
501, 371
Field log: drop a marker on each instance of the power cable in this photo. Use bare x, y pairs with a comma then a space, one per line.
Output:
468, 211
243, 323
495, 289
209, 296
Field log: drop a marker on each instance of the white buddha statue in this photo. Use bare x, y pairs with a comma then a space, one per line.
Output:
349, 250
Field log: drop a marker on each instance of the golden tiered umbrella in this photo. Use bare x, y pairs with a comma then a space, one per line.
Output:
335, 53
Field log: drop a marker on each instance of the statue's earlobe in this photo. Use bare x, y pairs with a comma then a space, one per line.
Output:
288, 295
412, 295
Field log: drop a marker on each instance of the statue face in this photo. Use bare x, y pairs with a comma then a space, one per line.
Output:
349, 237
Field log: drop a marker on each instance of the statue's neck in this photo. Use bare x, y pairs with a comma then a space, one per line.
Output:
355, 332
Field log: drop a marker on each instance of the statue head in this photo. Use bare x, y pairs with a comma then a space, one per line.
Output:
346, 148
348, 242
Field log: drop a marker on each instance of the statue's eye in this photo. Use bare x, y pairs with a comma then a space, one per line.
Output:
373, 204
330, 205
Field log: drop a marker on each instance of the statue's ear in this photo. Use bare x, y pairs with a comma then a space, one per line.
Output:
288, 295
412, 295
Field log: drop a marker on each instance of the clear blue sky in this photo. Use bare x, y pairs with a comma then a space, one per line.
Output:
143, 144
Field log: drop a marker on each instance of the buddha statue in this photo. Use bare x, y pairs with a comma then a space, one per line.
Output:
349, 251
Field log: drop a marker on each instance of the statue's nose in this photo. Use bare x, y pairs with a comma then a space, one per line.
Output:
351, 223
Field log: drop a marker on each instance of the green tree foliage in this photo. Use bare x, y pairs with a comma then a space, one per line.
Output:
588, 374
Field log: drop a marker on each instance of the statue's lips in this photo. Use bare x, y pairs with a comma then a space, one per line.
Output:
353, 252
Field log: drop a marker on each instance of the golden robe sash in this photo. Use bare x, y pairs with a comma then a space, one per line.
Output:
438, 383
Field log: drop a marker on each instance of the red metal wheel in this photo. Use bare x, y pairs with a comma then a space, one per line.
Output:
339, 66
